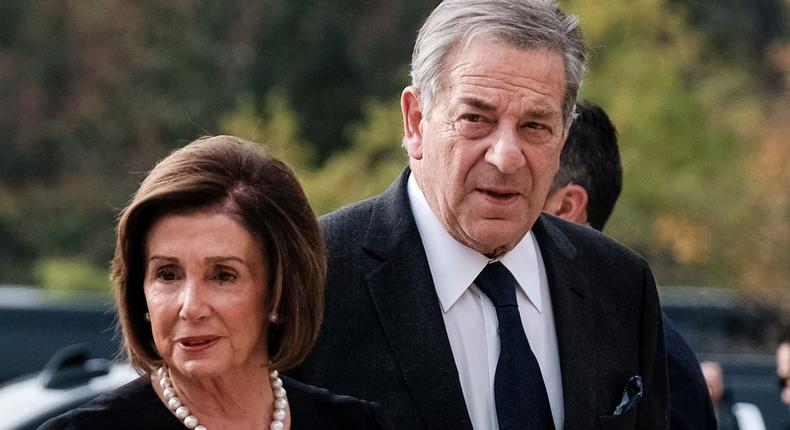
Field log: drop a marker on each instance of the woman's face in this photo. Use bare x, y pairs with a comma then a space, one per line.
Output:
206, 288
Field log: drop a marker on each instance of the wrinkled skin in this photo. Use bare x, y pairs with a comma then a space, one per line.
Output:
486, 155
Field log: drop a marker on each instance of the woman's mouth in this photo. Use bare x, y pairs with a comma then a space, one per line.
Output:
197, 343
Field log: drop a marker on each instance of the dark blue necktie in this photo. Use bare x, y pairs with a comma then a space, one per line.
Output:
519, 392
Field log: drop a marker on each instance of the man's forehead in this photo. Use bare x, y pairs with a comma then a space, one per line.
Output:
489, 41
495, 59
486, 87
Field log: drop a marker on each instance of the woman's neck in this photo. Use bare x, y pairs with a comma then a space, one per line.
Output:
241, 398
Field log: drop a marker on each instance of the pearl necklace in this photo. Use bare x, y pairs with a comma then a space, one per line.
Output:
191, 421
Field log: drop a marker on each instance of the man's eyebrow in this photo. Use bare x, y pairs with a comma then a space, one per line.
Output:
542, 113
477, 103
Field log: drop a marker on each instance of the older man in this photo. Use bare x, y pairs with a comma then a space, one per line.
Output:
451, 300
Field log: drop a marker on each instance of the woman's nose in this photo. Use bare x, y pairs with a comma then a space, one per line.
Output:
194, 305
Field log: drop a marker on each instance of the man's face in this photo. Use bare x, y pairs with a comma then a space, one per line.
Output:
486, 156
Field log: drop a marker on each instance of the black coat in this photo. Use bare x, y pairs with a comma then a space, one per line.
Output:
690, 407
136, 406
383, 337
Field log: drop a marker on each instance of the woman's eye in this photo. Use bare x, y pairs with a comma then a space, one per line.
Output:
225, 276
165, 275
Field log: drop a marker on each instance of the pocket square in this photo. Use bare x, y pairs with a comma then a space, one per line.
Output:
632, 395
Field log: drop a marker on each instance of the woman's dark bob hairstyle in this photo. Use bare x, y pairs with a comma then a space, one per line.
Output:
240, 179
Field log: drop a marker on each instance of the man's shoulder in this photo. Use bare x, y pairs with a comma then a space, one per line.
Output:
389, 208
597, 256
586, 241
347, 226
349, 215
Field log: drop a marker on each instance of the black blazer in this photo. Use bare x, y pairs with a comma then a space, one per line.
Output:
383, 336
690, 407
136, 406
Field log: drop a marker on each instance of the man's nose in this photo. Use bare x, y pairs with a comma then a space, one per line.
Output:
506, 152
194, 304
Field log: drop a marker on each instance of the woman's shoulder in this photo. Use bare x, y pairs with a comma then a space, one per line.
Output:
315, 407
128, 406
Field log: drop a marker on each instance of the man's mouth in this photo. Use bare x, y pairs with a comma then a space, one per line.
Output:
499, 195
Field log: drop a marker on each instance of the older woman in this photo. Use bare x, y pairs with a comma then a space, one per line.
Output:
219, 272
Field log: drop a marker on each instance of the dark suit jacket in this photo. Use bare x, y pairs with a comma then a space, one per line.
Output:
384, 339
690, 407
136, 406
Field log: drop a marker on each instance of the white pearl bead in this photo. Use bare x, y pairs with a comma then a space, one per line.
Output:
173, 403
182, 412
191, 421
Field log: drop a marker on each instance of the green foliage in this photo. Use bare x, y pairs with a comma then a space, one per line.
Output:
94, 92
685, 121
368, 167
70, 275
275, 126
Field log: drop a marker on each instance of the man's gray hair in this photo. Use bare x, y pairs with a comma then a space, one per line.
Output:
526, 24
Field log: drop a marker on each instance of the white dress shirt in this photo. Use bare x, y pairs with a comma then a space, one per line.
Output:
471, 320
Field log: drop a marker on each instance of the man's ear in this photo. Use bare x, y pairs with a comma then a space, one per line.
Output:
412, 122
569, 203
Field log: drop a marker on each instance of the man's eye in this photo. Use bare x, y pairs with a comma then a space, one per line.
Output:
535, 125
472, 117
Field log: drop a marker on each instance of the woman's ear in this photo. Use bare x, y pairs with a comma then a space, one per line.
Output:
412, 122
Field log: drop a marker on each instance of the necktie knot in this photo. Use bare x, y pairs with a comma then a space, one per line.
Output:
496, 282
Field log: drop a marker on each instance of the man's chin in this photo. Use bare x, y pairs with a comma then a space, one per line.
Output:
493, 238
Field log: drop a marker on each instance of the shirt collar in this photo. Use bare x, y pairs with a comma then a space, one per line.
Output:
454, 266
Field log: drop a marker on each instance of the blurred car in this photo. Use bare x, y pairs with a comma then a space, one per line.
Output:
69, 379
36, 323
741, 334
718, 324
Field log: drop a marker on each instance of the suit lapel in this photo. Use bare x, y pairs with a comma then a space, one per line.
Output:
571, 297
404, 296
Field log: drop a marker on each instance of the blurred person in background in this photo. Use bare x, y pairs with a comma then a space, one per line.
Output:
585, 190
218, 276
783, 366
454, 301
720, 395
